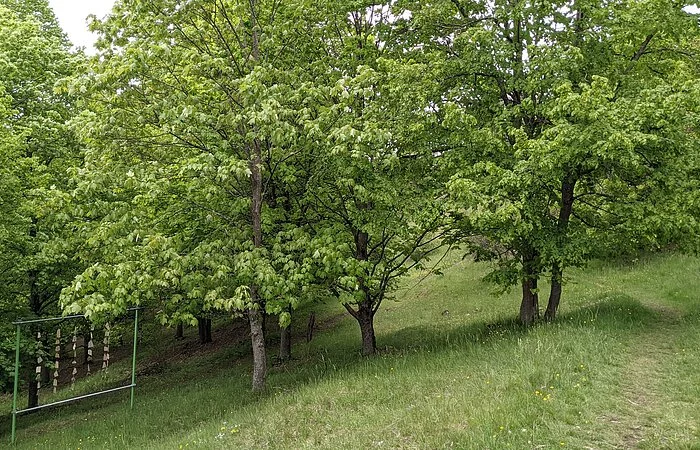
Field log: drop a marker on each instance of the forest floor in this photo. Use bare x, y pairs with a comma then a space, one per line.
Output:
617, 370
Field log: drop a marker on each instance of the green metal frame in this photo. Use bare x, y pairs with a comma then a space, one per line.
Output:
16, 412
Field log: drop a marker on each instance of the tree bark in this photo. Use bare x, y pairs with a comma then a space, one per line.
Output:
554, 294
365, 311
259, 355
257, 332
529, 307
204, 328
255, 314
179, 331
365, 317
567, 204
45, 375
33, 391
86, 339
310, 327
286, 339
286, 343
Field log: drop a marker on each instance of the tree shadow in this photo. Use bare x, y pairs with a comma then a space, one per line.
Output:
616, 311
611, 311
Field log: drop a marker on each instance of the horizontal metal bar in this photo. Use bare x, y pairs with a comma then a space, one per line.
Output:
50, 319
54, 319
68, 400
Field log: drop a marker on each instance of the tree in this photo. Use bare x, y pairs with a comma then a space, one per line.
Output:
569, 118
195, 107
38, 148
373, 188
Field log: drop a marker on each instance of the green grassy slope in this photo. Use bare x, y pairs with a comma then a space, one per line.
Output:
618, 370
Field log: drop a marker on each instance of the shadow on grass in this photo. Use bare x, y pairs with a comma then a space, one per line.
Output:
200, 385
616, 312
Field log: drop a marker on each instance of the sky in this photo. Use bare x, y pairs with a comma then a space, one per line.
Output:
71, 15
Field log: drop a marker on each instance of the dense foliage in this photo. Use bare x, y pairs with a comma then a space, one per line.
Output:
243, 158
37, 148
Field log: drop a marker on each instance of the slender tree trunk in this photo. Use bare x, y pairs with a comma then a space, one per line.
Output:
33, 391
264, 315
86, 339
257, 332
255, 314
35, 306
529, 307
365, 317
286, 343
179, 331
45, 375
286, 340
554, 294
310, 327
204, 329
365, 312
567, 204
259, 354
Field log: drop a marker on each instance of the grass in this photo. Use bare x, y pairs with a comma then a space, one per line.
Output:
617, 370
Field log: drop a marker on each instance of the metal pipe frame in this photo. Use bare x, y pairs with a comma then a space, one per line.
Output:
16, 412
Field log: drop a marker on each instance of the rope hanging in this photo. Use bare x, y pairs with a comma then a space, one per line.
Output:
90, 345
105, 354
74, 363
57, 357
39, 360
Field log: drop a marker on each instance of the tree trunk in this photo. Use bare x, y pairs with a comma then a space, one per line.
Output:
255, 313
567, 205
365, 317
86, 339
45, 375
259, 355
286, 343
529, 307
554, 294
264, 315
286, 339
310, 327
179, 331
33, 391
204, 329
365, 312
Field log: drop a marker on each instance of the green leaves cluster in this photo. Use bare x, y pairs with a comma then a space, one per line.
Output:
248, 156
36, 150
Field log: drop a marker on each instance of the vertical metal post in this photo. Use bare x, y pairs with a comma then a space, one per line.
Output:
133, 357
14, 395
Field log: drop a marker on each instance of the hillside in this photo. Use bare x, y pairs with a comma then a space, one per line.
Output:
618, 370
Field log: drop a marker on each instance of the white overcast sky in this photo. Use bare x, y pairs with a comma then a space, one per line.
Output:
72, 14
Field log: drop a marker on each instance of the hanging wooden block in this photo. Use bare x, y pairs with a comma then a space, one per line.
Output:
105, 354
57, 358
90, 346
75, 358
39, 360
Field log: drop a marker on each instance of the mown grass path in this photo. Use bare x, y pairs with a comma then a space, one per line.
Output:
653, 412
